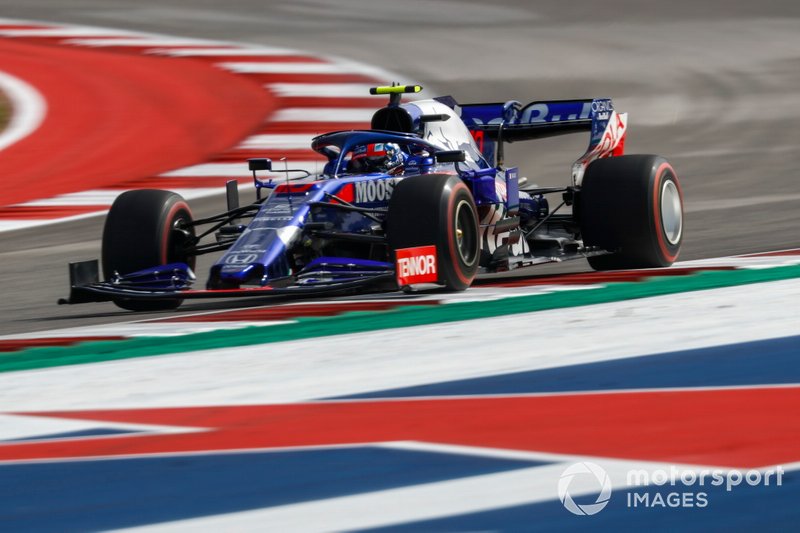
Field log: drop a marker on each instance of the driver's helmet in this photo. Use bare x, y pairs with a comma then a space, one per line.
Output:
377, 157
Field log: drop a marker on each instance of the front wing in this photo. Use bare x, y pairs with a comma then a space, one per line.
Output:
85, 287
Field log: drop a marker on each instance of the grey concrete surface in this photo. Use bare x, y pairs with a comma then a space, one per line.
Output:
712, 85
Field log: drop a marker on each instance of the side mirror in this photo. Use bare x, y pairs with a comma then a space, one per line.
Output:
451, 156
261, 163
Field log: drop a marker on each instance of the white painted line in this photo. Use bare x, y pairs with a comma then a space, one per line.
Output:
222, 52
330, 90
12, 225
20, 22
283, 68
278, 142
793, 251
65, 31
105, 197
188, 194
210, 170
329, 114
91, 197
733, 203
743, 262
237, 451
233, 170
21, 426
18, 224
548, 457
384, 77
725, 152
140, 41
485, 294
504, 453
28, 109
598, 392
203, 192
146, 329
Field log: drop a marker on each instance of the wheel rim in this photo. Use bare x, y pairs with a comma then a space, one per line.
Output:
177, 241
671, 212
466, 237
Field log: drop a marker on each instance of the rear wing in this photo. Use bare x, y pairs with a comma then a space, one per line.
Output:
495, 123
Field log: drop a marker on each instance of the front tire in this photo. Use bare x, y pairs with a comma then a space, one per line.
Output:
632, 206
146, 228
437, 209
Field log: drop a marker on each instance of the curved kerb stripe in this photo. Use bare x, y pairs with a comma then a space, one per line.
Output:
314, 94
29, 109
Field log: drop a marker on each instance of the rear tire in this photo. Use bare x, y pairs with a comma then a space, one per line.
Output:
141, 231
437, 209
632, 206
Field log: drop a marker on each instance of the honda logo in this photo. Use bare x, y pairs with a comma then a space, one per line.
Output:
239, 259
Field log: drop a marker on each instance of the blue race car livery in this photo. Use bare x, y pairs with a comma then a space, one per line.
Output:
423, 199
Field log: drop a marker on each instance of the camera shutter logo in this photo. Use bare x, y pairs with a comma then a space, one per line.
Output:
603, 491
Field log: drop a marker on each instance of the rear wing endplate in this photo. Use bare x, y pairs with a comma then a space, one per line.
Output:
493, 123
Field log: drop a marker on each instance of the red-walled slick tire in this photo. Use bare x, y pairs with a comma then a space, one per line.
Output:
437, 209
146, 228
631, 206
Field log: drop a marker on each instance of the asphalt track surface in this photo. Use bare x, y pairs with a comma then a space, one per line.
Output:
710, 85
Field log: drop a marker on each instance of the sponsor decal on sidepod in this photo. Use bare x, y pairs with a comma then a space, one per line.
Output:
375, 190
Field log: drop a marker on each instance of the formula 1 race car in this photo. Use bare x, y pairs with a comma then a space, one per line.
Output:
422, 199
